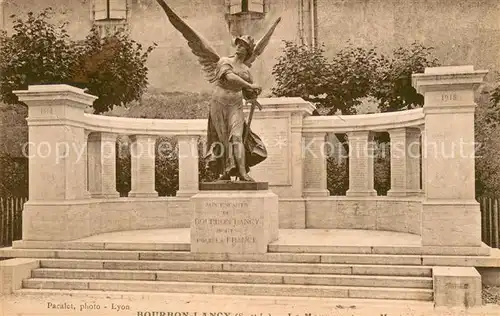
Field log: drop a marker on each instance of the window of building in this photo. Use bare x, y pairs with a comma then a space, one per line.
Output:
105, 10
243, 6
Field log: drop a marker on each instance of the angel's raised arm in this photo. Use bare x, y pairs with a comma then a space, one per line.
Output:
207, 56
262, 43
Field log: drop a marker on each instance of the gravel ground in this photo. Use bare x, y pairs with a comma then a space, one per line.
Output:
491, 295
157, 304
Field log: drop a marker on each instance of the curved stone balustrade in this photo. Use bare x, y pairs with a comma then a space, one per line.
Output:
376, 122
142, 126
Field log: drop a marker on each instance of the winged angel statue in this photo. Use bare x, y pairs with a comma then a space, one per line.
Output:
232, 148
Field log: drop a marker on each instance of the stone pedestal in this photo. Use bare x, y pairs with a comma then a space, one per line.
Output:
234, 221
457, 286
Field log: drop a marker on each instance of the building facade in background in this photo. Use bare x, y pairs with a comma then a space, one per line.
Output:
462, 31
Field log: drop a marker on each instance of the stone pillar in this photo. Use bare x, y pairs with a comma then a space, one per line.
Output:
405, 162
142, 154
422, 148
450, 215
361, 152
102, 165
87, 194
314, 167
56, 141
188, 165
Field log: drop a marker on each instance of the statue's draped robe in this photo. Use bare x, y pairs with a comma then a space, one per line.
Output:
226, 123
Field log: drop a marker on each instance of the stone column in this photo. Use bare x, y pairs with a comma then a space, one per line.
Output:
451, 215
423, 150
361, 152
87, 194
188, 165
102, 165
142, 154
405, 162
56, 141
314, 167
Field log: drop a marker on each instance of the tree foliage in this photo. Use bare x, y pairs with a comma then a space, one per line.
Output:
39, 52
337, 180
113, 68
13, 176
495, 94
393, 87
352, 74
487, 134
302, 72
354, 71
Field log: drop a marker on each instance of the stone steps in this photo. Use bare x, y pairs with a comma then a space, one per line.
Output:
232, 288
237, 277
260, 278
370, 259
381, 250
272, 248
334, 275
225, 266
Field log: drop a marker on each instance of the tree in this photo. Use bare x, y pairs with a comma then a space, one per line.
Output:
39, 52
352, 74
487, 134
487, 152
394, 88
495, 93
303, 72
337, 84
113, 68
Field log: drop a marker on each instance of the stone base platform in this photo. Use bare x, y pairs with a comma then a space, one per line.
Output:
223, 185
341, 241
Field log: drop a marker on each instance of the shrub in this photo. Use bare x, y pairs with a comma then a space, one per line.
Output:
337, 175
123, 165
167, 166
14, 176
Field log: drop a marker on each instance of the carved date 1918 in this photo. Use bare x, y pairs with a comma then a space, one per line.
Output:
449, 97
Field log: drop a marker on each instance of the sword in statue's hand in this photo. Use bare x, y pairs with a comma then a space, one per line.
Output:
253, 103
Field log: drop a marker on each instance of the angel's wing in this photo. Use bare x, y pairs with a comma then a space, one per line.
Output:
262, 43
207, 56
